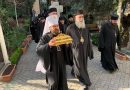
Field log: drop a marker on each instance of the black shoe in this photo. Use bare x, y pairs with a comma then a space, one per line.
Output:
86, 88
72, 73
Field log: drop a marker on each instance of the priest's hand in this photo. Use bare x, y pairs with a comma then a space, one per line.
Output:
52, 42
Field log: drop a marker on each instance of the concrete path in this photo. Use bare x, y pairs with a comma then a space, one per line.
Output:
25, 77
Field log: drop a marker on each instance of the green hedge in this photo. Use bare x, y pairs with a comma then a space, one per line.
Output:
95, 37
14, 38
15, 56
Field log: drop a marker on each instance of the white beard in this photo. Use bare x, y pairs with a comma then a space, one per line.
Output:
80, 24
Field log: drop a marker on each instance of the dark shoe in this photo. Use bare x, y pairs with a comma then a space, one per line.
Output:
111, 71
86, 88
72, 73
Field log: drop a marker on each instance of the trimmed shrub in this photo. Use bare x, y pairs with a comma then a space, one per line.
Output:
15, 56
95, 37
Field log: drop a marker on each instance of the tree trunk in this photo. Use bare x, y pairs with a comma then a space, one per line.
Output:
119, 12
16, 13
3, 46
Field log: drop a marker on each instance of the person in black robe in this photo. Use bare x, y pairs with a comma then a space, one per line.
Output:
37, 30
62, 24
52, 12
41, 25
81, 48
53, 58
32, 29
108, 37
67, 49
70, 20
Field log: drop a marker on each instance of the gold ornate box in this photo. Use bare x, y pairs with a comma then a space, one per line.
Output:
62, 39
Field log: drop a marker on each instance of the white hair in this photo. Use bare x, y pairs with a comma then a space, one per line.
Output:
80, 24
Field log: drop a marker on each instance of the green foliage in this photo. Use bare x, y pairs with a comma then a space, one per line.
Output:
3, 12
15, 35
6, 12
26, 24
98, 7
14, 38
76, 6
15, 56
95, 37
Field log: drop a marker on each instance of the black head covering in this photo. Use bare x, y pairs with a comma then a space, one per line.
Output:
52, 10
69, 16
61, 18
114, 17
78, 12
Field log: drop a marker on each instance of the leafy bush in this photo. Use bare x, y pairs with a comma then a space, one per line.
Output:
14, 38
15, 35
95, 37
75, 6
3, 12
15, 56
26, 25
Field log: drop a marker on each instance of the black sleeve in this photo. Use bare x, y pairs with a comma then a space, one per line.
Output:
90, 49
101, 39
43, 51
68, 50
68, 55
118, 38
68, 30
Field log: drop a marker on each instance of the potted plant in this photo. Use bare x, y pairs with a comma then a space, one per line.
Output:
8, 72
9, 69
16, 56
29, 38
25, 45
121, 56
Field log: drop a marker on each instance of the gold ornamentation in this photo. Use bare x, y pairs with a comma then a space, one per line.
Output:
62, 39
82, 39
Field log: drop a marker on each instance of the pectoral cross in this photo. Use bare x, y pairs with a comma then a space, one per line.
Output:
82, 39
58, 48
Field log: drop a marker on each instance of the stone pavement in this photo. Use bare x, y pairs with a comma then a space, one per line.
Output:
25, 77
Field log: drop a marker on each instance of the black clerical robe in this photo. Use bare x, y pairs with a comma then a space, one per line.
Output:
81, 52
54, 63
108, 37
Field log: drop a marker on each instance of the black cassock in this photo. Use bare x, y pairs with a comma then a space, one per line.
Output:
54, 63
108, 37
81, 52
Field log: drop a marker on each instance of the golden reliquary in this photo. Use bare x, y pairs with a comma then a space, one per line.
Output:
62, 39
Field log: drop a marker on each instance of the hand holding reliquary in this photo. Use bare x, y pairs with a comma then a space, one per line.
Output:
62, 39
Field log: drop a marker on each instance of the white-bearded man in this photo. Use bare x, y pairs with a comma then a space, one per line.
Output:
81, 48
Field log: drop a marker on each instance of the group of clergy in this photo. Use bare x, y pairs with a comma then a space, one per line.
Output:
53, 59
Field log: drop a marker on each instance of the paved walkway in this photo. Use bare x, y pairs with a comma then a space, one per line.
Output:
26, 78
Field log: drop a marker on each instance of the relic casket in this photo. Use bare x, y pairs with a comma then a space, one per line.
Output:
62, 39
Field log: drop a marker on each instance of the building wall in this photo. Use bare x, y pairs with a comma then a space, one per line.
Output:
36, 7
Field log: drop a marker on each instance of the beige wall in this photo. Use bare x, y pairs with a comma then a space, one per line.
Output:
36, 7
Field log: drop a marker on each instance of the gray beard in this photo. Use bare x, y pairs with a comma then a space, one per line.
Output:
80, 24
55, 33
